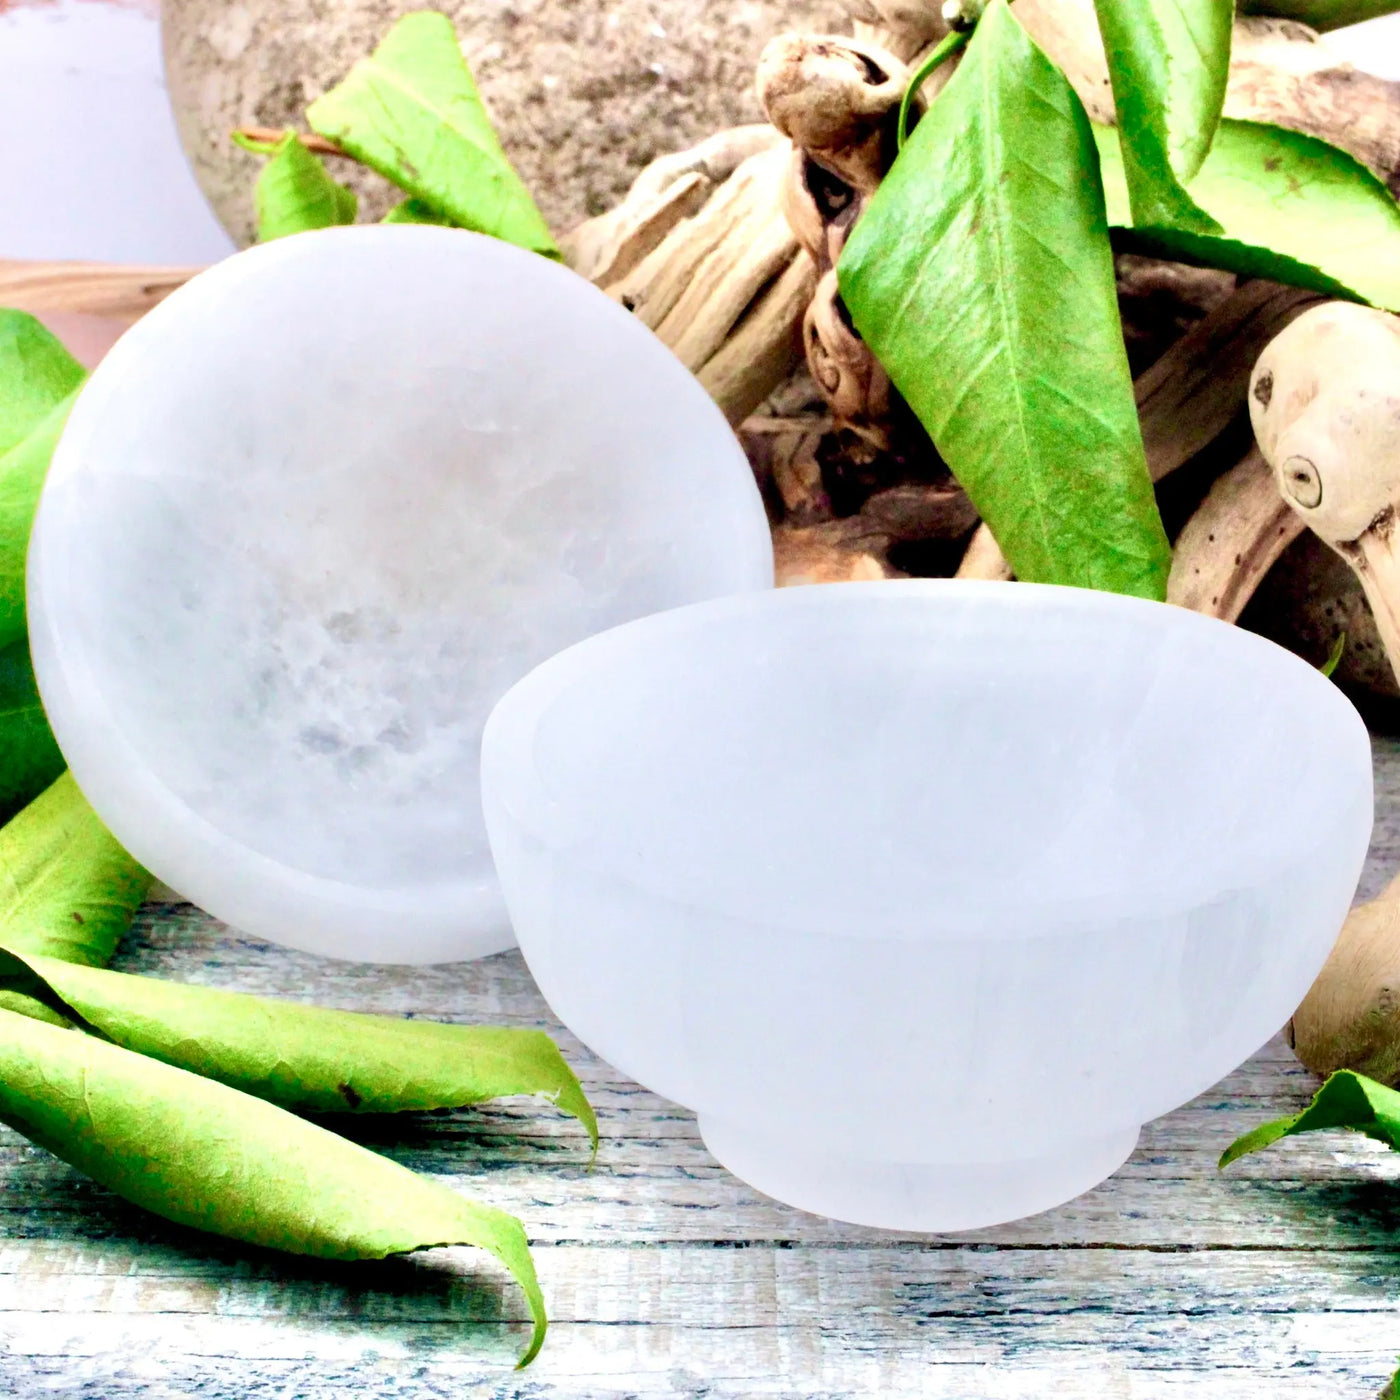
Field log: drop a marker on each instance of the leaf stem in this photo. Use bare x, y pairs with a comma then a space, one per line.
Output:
944, 50
251, 137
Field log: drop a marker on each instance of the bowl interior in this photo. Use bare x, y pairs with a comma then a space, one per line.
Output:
317, 512
890, 757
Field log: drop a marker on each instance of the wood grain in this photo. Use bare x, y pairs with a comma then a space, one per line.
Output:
668, 1278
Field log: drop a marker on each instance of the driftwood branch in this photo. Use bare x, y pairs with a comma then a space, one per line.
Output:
700, 252
1232, 541
93, 289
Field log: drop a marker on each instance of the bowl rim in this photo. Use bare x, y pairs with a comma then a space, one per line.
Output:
507, 746
451, 917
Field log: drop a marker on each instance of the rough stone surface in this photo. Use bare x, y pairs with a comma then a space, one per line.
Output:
584, 92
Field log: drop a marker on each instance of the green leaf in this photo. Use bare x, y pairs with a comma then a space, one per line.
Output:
1322, 15
67, 888
1346, 1100
1334, 657
982, 278
1293, 209
29, 757
414, 211
22, 472
295, 192
305, 1058
206, 1156
36, 372
1168, 61
411, 111
1392, 1388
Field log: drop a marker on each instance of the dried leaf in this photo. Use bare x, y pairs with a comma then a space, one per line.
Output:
1168, 61
1346, 1100
982, 278
295, 192
305, 1058
207, 1156
412, 112
1292, 208
29, 756
67, 889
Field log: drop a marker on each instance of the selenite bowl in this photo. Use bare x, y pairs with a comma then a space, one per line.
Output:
311, 517
926, 895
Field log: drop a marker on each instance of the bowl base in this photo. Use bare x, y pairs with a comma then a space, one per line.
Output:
923, 1196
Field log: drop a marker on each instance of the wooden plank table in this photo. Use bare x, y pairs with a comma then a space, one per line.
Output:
666, 1277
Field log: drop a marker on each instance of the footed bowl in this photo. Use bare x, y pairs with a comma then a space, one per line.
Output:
926, 895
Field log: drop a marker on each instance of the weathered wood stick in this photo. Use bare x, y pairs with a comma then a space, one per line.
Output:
1324, 400
984, 558
1350, 1018
743, 203
604, 255
724, 285
1233, 539
672, 187
96, 289
764, 347
1191, 395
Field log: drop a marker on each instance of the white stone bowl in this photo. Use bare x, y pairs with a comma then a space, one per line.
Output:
311, 518
926, 895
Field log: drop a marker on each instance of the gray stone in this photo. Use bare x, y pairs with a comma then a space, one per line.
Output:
584, 92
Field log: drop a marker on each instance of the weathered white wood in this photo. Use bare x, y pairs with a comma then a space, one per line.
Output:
667, 1278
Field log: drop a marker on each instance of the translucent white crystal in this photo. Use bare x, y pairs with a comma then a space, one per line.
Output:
311, 518
926, 895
